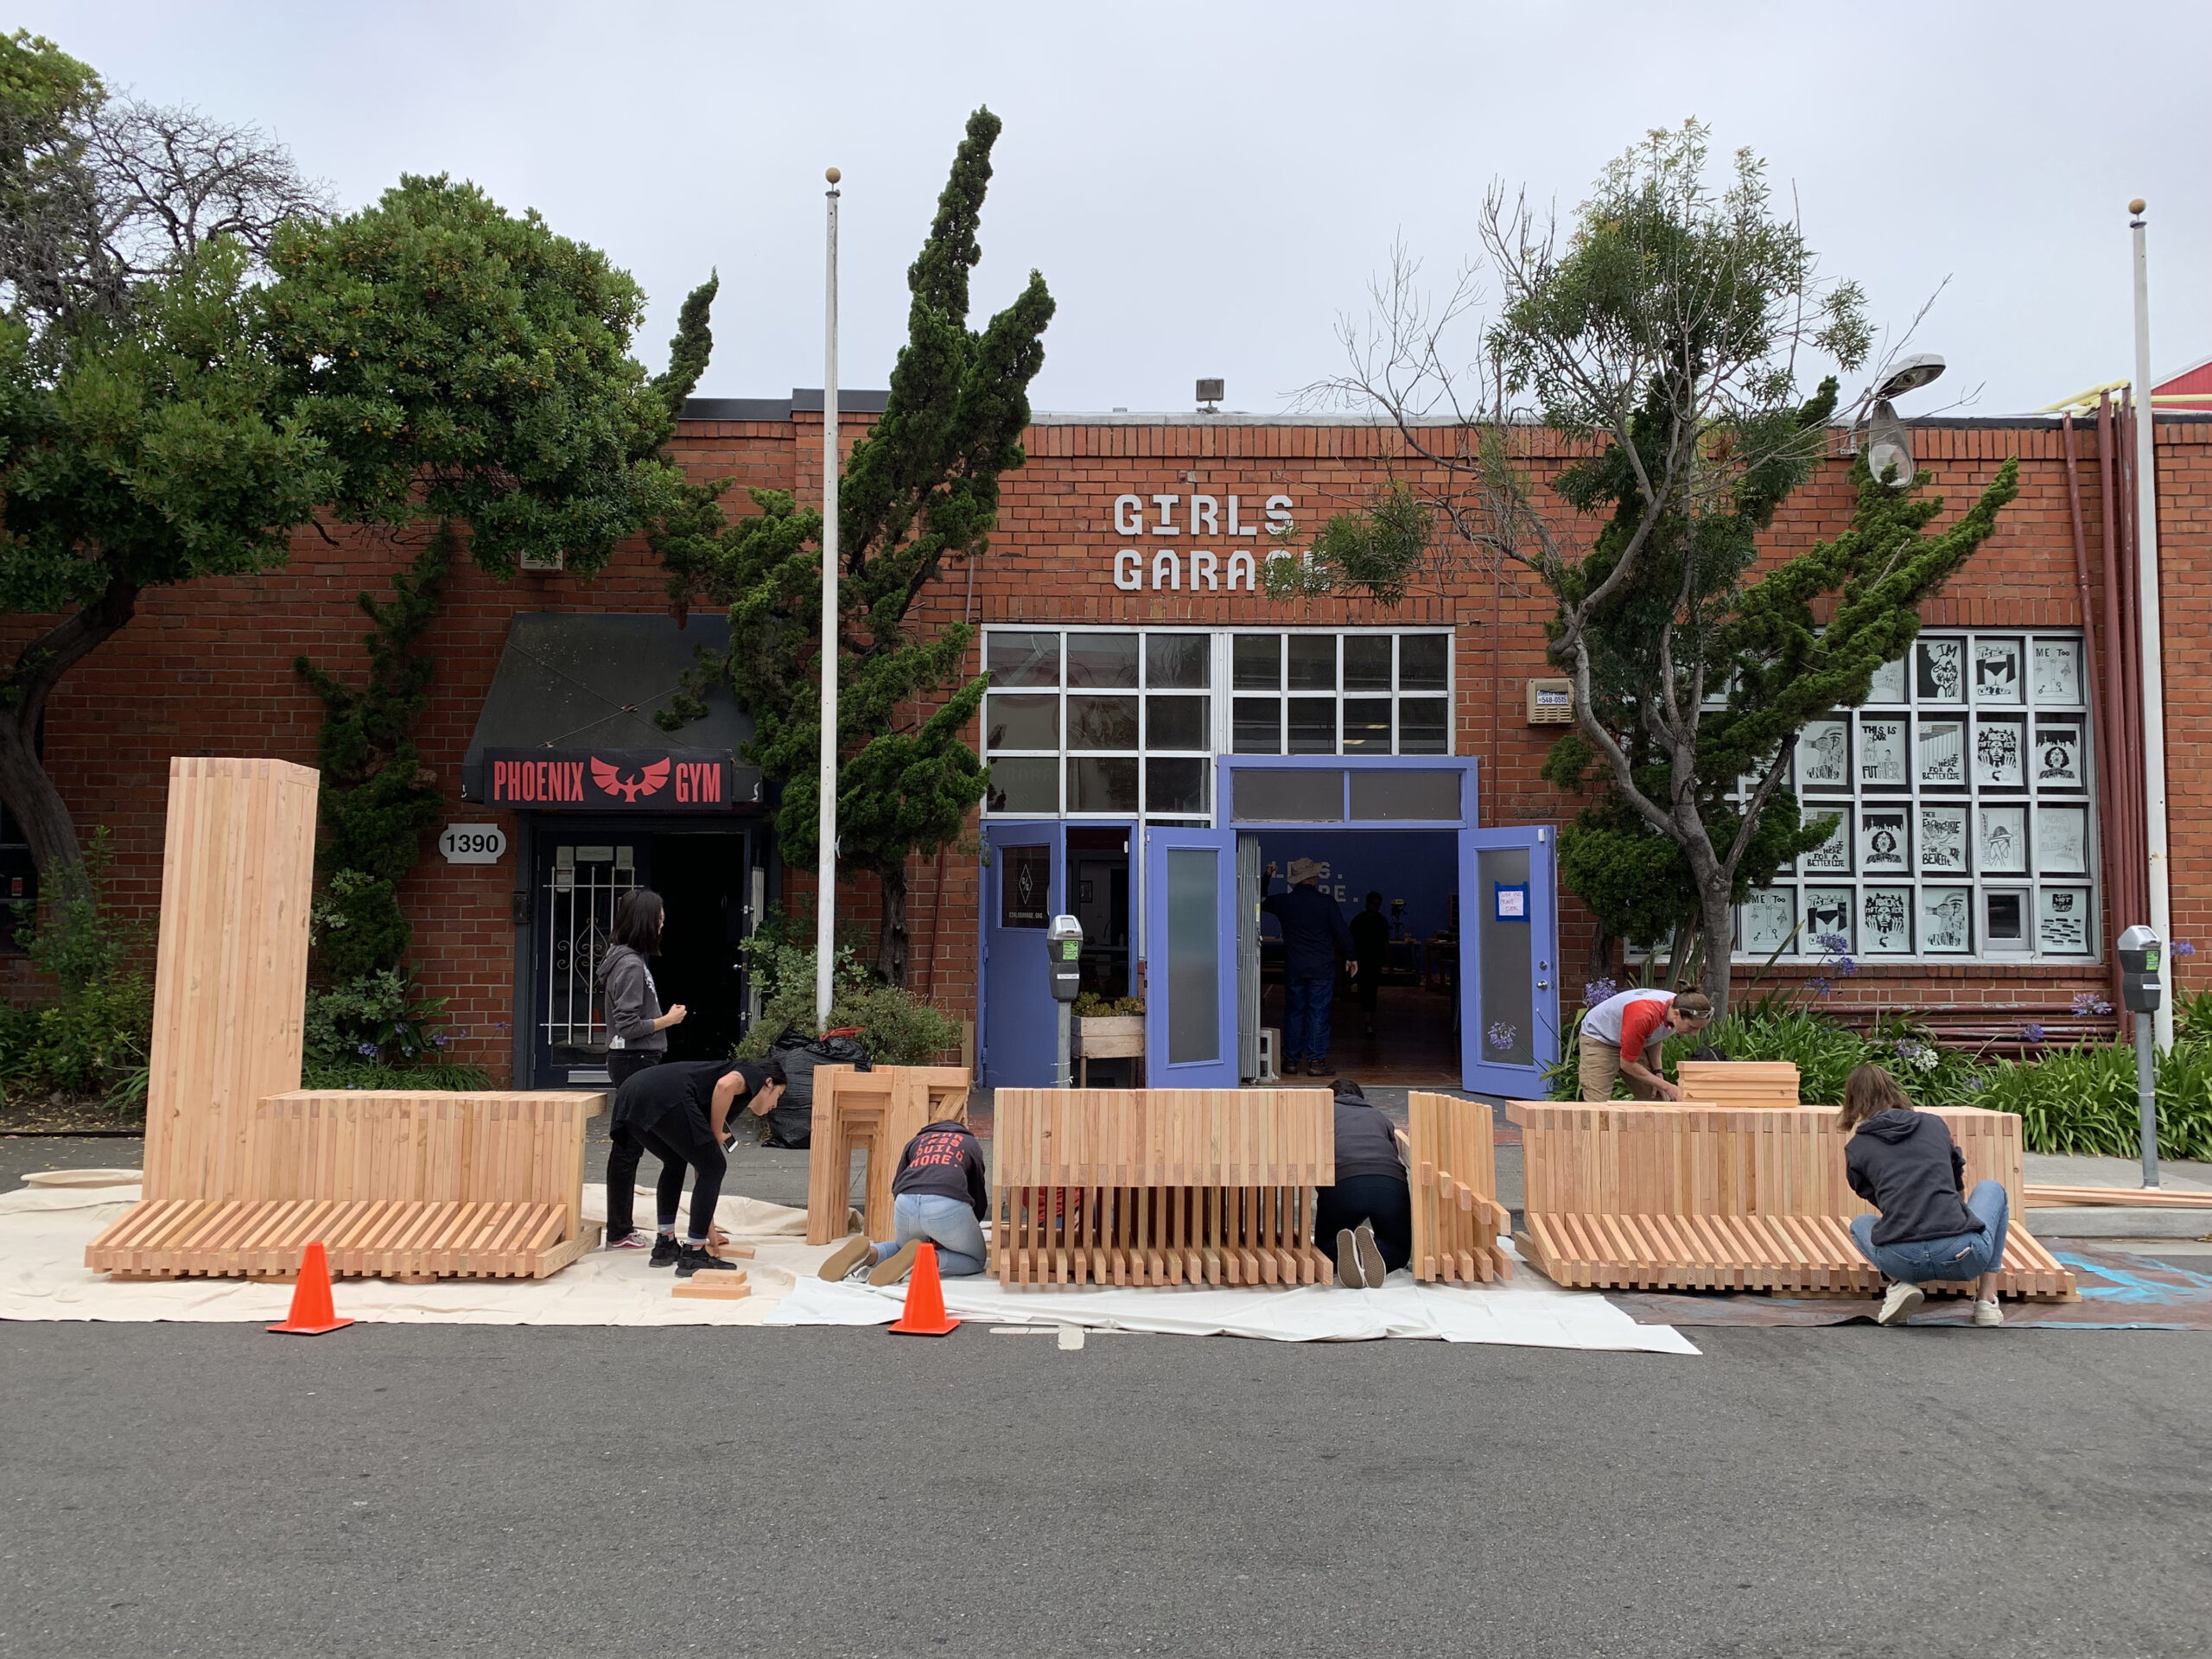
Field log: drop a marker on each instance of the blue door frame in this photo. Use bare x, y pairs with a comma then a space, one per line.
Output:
1189, 897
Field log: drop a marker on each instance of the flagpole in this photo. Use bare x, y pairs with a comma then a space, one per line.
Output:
825, 901
2152, 653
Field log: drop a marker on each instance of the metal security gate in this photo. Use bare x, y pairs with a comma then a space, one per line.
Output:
581, 879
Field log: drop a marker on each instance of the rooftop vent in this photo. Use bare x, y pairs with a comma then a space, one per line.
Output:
1210, 395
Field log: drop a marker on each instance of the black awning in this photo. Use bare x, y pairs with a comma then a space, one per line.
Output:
571, 682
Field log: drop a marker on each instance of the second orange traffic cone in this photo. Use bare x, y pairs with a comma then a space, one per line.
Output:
312, 1313
924, 1315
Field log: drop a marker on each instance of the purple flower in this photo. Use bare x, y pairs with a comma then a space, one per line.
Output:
1501, 1036
1846, 966
440, 1040
1976, 1082
399, 1025
368, 1049
498, 1025
2031, 1032
1598, 990
1834, 944
1818, 986
2183, 948
2088, 1003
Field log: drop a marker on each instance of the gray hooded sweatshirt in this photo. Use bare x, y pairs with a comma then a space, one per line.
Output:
631, 1000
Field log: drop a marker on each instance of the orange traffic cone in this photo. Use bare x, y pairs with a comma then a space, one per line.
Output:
924, 1315
311, 1313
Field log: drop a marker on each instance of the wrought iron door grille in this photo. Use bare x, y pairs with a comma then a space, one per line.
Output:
587, 883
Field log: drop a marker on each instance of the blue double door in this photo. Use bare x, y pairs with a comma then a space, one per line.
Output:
1183, 883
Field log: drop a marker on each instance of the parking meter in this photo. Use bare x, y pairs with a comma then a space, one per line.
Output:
1064, 969
2142, 957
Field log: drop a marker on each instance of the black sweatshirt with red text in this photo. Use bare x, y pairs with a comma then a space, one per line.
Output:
945, 1161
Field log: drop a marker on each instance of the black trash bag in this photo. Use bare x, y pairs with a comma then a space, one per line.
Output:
791, 1123
1709, 1053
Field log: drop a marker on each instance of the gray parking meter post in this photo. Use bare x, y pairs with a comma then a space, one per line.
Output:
2142, 957
1064, 962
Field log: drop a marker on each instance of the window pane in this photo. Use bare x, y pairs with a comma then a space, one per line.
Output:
1193, 954
1102, 722
1367, 662
1022, 658
1177, 723
1402, 795
1257, 660
1102, 660
1102, 785
1424, 726
1180, 660
1258, 722
1313, 662
1425, 662
1312, 725
1022, 721
1177, 785
1367, 725
1025, 786
1271, 797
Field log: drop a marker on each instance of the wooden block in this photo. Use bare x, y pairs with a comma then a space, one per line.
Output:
712, 1287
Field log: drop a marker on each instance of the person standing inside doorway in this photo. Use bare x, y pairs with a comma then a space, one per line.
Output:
637, 1030
1314, 940
1370, 949
1621, 1037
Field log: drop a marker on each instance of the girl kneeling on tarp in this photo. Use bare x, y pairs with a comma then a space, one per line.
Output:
938, 1197
1931, 1229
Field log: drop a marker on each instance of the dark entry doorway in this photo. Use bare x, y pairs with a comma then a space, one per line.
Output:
704, 881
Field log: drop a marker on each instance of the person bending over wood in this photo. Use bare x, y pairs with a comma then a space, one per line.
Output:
1905, 1163
939, 1197
1621, 1037
680, 1114
1370, 1211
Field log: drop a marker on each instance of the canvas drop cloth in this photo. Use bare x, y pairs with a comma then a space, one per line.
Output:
44, 1229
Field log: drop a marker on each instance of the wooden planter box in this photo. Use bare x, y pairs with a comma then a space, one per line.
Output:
1109, 1037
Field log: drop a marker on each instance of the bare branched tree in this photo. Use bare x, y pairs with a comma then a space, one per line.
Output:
167, 178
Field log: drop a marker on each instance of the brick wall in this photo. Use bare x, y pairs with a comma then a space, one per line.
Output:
208, 669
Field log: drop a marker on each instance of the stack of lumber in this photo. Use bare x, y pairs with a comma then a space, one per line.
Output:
1737, 1083
243, 1169
1710, 1199
1160, 1186
1458, 1220
875, 1113
2138, 1197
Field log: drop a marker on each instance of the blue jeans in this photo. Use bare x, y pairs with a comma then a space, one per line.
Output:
949, 1224
1305, 1018
1924, 1260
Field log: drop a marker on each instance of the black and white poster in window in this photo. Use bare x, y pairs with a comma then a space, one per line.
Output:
1998, 762
2063, 921
2062, 841
1824, 754
1940, 666
1886, 921
2058, 672
1943, 838
2003, 840
2058, 754
1944, 913
1768, 920
1832, 856
1943, 752
1881, 754
1884, 839
1827, 920
1997, 671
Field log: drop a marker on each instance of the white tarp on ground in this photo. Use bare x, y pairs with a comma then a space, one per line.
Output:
43, 1232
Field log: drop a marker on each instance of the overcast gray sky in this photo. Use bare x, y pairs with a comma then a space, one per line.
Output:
1206, 187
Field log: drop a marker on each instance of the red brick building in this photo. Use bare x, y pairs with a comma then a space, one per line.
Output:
1142, 680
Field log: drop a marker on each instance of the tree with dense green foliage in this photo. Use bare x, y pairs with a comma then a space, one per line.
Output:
921, 488
1662, 340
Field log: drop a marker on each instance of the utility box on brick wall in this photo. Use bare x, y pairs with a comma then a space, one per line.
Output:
1551, 703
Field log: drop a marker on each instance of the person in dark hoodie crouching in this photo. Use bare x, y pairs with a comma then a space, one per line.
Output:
1931, 1229
1370, 1211
938, 1197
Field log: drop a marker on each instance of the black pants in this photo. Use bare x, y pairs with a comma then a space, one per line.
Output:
624, 1064
1368, 987
680, 1139
1385, 1202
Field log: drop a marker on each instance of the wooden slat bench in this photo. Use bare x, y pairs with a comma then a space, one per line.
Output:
1457, 1221
1696, 1197
1160, 1186
875, 1113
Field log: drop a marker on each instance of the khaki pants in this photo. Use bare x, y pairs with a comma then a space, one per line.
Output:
1601, 1065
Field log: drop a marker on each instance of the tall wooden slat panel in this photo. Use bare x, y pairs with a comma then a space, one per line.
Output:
230, 982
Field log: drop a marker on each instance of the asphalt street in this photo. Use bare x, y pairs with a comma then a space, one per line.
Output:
213, 1490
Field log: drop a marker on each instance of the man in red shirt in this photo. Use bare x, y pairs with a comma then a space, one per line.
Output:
1621, 1037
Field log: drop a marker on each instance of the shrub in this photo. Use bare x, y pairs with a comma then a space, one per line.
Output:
378, 1026
93, 1038
896, 1027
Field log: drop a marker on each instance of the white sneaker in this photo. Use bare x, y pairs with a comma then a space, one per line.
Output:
1988, 1313
1900, 1304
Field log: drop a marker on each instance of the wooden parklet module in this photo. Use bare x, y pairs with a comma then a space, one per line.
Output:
1737, 1083
230, 975
875, 1113
1458, 1220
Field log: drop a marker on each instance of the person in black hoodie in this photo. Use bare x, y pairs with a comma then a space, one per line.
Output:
1931, 1229
939, 1197
1370, 1211
681, 1114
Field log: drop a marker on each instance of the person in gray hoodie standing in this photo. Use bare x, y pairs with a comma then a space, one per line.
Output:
637, 1031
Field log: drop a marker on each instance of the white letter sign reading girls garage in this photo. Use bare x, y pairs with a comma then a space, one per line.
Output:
1201, 569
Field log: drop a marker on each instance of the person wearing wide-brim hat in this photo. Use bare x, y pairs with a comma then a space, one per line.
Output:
1314, 940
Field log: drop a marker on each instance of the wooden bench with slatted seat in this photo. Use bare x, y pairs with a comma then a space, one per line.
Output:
243, 1168
1699, 1197
875, 1113
1452, 1167
1160, 1186
1737, 1083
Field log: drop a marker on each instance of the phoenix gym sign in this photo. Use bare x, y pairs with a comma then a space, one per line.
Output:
610, 780
1232, 560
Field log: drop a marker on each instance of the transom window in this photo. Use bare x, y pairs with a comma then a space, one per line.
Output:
1125, 723
1966, 803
